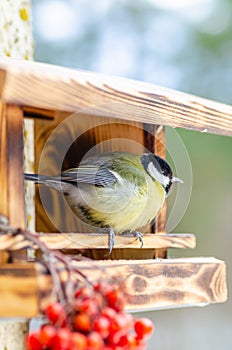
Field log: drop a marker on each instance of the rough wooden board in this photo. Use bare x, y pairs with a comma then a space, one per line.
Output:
3, 161
11, 165
148, 284
16, 210
31, 112
18, 291
91, 241
57, 88
166, 283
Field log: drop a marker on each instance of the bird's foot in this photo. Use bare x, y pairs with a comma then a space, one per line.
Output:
135, 234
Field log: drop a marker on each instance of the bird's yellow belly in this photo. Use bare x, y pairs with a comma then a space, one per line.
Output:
123, 211
140, 211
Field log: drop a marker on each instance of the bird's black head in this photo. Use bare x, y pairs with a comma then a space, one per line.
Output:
159, 170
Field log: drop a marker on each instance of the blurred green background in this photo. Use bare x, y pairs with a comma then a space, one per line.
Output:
185, 45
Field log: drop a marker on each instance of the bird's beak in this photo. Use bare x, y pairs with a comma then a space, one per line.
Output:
176, 179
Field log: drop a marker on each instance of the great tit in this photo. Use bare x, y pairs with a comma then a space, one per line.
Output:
118, 192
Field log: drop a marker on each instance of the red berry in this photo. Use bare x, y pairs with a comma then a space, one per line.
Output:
83, 293
114, 338
55, 313
62, 340
115, 299
97, 287
47, 335
88, 305
102, 287
108, 312
82, 322
102, 326
143, 328
119, 323
78, 341
128, 340
95, 341
33, 342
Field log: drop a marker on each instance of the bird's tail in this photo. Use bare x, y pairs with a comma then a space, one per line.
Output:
32, 177
50, 181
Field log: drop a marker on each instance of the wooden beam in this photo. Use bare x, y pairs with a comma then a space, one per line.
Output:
16, 205
11, 165
91, 241
3, 161
100, 241
38, 113
148, 284
166, 283
18, 291
56, 88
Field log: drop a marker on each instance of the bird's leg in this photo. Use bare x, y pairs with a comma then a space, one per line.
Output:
135, 234
111, 235
111, 239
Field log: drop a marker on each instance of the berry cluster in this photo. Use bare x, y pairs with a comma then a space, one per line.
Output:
95, 320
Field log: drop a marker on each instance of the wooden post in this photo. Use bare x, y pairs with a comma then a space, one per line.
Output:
16, 35
12, 332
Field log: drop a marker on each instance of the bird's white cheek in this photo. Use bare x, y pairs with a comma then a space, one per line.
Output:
164, 180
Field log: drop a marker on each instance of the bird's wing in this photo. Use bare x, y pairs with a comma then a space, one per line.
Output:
95, 175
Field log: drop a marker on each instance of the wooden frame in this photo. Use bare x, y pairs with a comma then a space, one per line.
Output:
29, 89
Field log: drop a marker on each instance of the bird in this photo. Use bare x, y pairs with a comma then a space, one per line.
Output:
116, 192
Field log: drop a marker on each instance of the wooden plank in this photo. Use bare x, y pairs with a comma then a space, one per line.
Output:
51, 87
3, 161
2, 80
148, 284
100, 241
38, 113
11, 165
160, 150
16, 206
18, 291
166, 283
154, 142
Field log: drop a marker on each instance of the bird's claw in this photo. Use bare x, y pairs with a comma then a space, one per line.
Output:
139, 236
135, 234
111, 236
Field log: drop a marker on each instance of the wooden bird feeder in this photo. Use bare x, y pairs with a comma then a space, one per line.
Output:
96, 113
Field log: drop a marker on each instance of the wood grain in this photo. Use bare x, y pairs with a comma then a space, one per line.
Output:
148, 284
166, 283
93, 240
154, 142
3, 161
18, 291
11, 165
16, 209
57, 88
